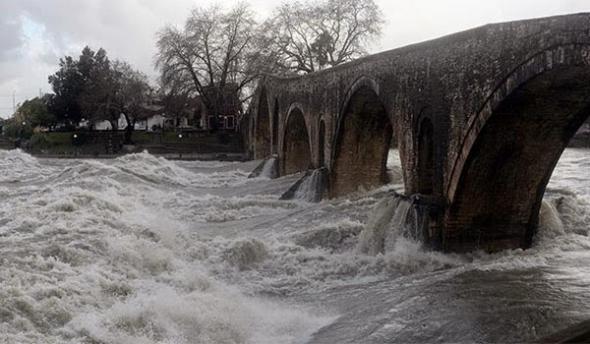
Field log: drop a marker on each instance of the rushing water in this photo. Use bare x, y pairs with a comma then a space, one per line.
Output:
144, 250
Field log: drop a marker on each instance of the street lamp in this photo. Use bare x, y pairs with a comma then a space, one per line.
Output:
180, 139
75, 142
21, 134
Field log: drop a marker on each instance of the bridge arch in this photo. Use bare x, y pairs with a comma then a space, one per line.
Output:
362, 141
361, 82
262, 144
511, 148
296, 146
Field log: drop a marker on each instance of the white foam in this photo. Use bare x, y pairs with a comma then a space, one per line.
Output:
144, 250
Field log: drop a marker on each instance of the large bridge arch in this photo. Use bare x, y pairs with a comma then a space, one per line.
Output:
262, 143
361, 142
296, 148
511, 149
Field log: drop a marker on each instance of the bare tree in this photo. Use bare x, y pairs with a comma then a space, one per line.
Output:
215, 50
176, 100
305, 37
131, 95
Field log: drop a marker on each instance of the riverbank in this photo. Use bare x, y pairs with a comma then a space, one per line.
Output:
168, 156
172, 145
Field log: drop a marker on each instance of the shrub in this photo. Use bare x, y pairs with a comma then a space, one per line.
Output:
39, 141
17, 130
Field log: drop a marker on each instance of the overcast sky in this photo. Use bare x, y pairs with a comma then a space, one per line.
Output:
34, 34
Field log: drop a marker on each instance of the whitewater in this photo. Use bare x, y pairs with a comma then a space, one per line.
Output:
140, 249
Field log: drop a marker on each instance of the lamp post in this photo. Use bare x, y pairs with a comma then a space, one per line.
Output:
180, 139
22, 132
75, 137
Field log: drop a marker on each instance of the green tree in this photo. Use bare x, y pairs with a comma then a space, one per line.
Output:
36, 112
67, 84
17, 128
99, 88
94, 88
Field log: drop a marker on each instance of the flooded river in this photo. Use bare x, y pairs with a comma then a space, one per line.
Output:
145, 250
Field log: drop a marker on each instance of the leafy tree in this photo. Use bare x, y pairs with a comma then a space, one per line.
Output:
36, 112
304, 37
67, 84
16, 128
99, 87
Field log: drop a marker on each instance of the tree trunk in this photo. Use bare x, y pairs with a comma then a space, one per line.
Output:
129, 130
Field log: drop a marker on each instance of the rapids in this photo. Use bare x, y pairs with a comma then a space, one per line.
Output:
145, 250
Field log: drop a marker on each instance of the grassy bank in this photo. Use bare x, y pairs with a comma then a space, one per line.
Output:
84, 143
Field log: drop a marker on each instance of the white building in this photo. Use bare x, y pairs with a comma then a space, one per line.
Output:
153, 122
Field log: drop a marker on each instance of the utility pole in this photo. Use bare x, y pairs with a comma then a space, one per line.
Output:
14, 102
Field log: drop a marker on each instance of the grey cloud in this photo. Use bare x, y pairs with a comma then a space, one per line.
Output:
11, 39
11, 34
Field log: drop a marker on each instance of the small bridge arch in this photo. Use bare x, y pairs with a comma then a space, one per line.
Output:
262, 142
296, 153
361, 142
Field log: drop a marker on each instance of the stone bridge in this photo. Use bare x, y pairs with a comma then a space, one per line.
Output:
480, 117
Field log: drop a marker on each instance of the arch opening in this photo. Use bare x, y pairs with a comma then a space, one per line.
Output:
426, 157
322, 145
263, 135
296, 147
275, 128
498, 197
362, 145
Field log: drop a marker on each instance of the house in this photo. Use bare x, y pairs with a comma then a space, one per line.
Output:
152, 123
228, 108
192, 113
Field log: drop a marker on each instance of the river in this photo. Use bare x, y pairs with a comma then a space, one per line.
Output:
144, 250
